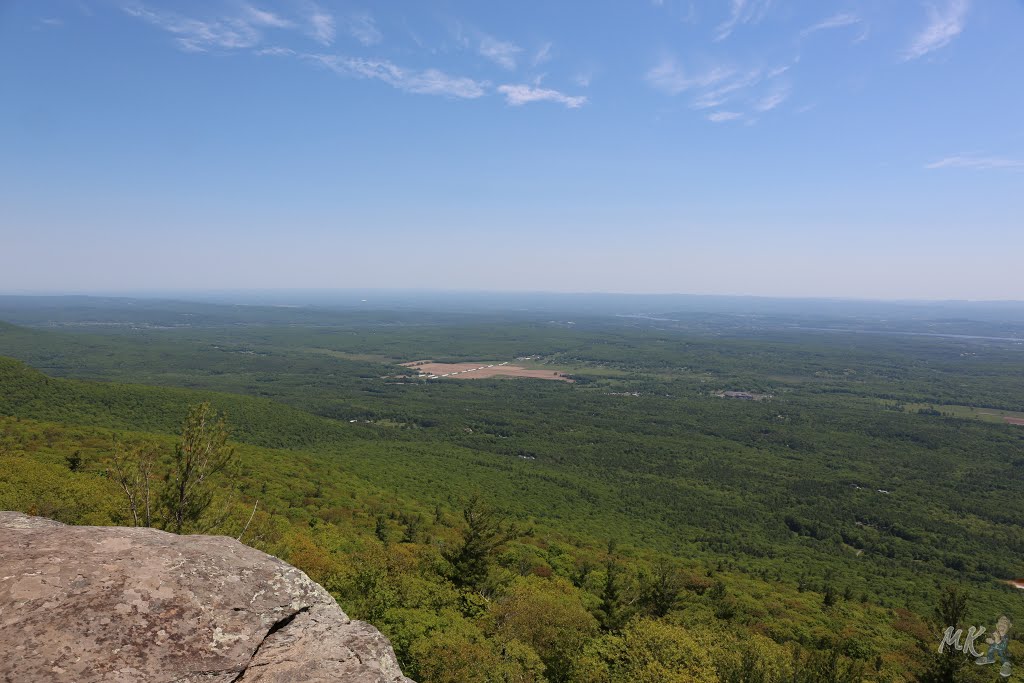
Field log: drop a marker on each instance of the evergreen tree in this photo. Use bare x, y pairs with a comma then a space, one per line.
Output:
662, 589
200, 453
381, 529
484, 533
947, 666
611, 613
175, 496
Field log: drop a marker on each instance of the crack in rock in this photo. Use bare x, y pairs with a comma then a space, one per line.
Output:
275, 627
137, 604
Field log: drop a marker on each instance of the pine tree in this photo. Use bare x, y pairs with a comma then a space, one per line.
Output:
200, 453
947, 666
484, 533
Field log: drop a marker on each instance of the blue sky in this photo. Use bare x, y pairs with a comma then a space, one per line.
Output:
784, 148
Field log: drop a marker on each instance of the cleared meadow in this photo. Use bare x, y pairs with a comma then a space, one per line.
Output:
483, 370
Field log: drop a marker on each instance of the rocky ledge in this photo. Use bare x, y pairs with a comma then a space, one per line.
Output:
118, 604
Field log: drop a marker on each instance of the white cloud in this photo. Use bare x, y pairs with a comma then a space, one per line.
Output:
583, 79
423, 82
321, 26
742, 12
668, 76
542, 54
976, 163
720, 116
259, 17
363, 28
276, 52
944, 24
771, 101
194, 35
727, 93
719, 86
501, 52
517, 95
835, 21
240, 32
201, 35
723, 91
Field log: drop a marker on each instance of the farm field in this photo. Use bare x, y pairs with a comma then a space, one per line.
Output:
481, 370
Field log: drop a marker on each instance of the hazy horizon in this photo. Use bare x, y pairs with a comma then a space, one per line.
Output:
201, 294
755, 148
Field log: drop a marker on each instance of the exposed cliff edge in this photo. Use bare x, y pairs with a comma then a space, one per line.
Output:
119, 604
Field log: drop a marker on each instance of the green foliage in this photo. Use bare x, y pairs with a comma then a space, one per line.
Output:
134, 471
175, 495
201, 454
662, 588
485, 531
647, 651
756, 544
947, 666
613, 612
546, 615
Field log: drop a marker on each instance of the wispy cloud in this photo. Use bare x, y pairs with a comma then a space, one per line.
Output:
723, 91
243, 29
276, 52
259, 17
321, 26
419, 81
542, 54
976, 163
722, 116
670, 77
363, 28
771, 101
944, 24
194, 35
835, 21
517, 95
779, 70
728, 93
501, 52
742, 12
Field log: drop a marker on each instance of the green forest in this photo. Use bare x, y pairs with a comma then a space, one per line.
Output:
635, 524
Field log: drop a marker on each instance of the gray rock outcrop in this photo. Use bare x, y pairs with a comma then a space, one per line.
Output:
122, 605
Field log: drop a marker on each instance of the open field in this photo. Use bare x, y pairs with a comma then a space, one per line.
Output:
481, 370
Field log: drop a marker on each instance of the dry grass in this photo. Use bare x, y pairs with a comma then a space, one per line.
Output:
485, 370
